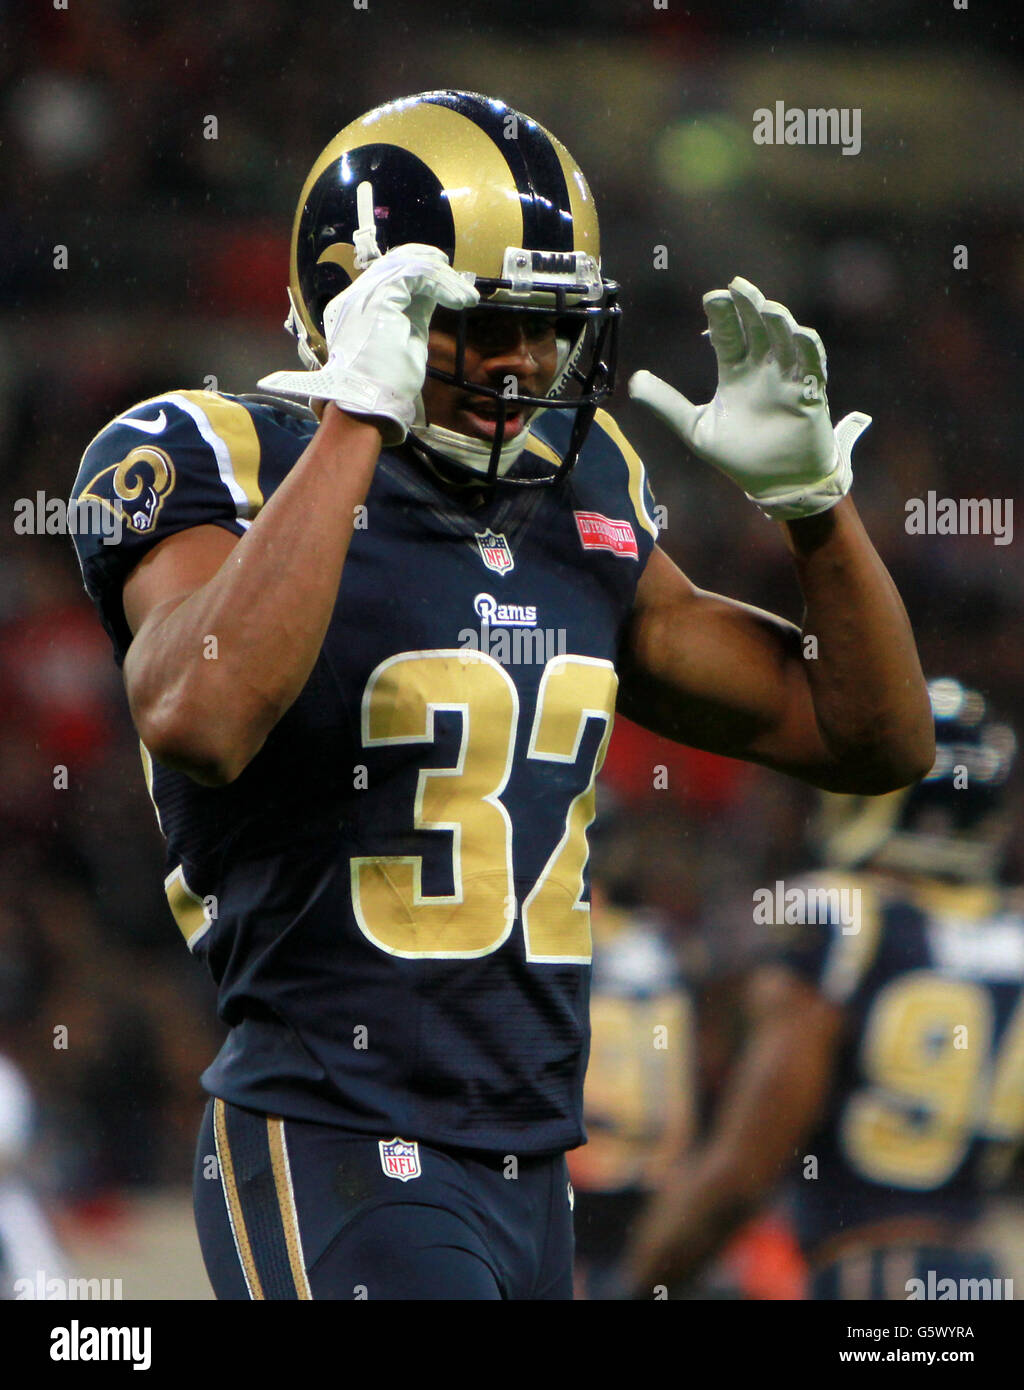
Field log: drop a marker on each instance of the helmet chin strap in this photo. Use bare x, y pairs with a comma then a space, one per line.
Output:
475, 454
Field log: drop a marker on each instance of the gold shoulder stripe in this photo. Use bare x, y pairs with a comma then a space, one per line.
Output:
230, 431
635, 467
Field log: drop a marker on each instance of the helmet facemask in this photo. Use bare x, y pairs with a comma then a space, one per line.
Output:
586, 336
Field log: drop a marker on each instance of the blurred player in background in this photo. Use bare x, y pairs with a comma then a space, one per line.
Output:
376, 826
884, 1068
664, 1011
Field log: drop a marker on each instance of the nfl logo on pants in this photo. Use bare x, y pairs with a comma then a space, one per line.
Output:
399, 1159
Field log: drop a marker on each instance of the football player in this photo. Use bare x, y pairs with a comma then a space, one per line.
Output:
374, 780
884, 1067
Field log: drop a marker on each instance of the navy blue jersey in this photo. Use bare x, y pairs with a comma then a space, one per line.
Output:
392, 897
927, 1098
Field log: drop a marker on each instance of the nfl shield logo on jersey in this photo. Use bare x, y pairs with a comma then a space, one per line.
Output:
495, 551
399, 1159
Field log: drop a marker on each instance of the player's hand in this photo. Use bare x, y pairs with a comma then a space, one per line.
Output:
376, 332
768, 426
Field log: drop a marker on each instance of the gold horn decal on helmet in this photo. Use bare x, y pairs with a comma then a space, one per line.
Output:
486, 214
341, 253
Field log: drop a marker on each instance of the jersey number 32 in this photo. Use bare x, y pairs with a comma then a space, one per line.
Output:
399, 704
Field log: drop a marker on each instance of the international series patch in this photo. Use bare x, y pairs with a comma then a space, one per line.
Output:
495, 552
399, 1159
599, 532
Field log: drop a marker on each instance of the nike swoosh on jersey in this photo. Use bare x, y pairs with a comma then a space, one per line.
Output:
147, 426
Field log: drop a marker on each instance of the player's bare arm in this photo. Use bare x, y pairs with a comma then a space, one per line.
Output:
724, 676
773, 1098
266, 597
849, 714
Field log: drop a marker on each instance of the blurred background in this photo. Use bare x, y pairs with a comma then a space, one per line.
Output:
176, 266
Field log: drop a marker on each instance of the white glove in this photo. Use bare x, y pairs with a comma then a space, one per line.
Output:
376, 334
768, 426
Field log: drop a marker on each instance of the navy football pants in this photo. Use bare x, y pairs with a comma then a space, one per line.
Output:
286, 1209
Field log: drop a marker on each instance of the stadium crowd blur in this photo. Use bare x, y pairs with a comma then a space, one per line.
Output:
176, 232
